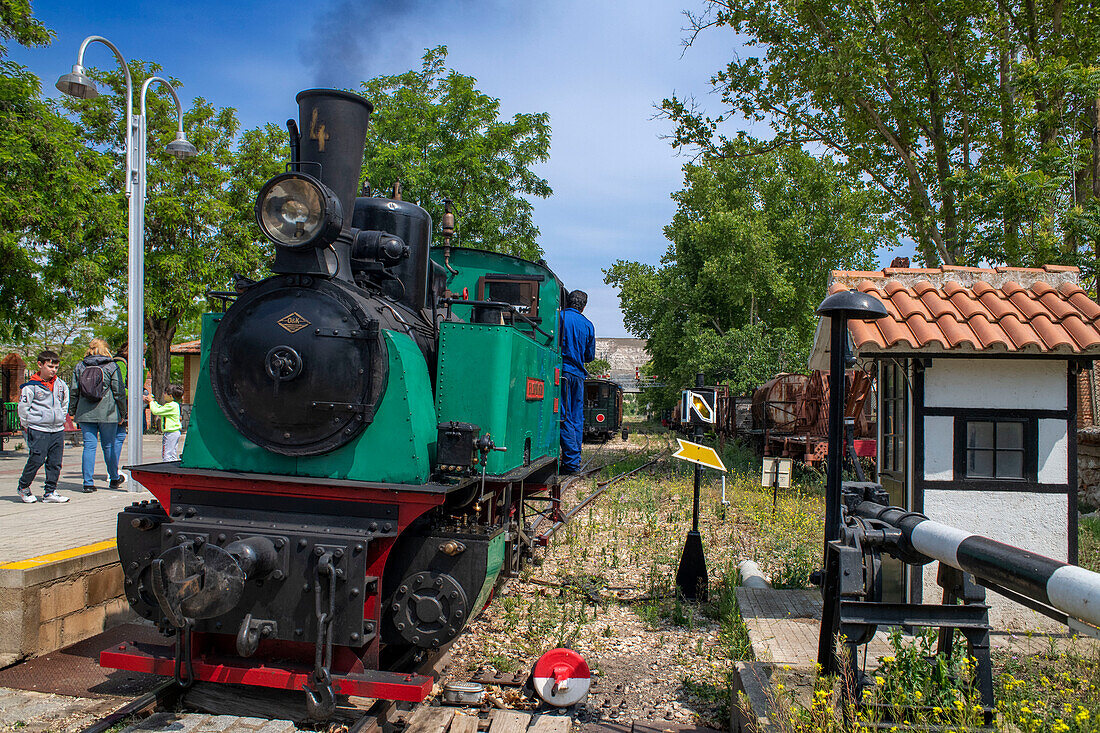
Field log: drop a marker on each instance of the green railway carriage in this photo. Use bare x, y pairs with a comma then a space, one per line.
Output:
603, 409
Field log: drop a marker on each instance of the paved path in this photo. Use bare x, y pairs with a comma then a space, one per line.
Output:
29, 530
784, 625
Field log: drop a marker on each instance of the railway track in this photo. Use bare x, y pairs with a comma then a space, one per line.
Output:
544, 537
164, 694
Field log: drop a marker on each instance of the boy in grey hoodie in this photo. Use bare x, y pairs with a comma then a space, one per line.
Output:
43, 402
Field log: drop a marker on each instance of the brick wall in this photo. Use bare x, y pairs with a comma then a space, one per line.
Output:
45, 608
1086, 387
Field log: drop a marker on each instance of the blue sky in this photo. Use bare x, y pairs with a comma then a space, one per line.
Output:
597, 67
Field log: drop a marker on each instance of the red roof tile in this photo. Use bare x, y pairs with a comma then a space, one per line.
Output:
187, 347
1014, 309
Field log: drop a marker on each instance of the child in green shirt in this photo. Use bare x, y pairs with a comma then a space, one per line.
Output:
171, 423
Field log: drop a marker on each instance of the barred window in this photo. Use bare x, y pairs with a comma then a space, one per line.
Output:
995, 449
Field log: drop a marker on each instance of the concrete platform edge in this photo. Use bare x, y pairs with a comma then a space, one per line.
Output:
50, 606
13, 578
751, 708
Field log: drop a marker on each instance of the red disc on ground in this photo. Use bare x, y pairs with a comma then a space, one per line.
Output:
561, 677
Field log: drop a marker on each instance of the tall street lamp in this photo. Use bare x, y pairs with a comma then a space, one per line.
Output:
78, 84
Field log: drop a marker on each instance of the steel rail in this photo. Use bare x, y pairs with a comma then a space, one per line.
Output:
583, 473
601, 487
163, 692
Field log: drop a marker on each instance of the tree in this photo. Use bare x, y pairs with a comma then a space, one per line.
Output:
199, 229
442, 138
751, 246
54, 212
598, 366
974, 119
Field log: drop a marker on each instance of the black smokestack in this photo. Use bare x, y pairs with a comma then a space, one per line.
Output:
333, 132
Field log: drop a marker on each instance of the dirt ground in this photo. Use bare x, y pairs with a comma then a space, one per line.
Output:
603, 589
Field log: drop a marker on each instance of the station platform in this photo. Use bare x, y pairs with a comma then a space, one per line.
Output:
60, 581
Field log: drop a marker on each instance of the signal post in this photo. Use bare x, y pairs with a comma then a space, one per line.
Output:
696, 409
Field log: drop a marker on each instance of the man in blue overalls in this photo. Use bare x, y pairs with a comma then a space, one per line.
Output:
578, 347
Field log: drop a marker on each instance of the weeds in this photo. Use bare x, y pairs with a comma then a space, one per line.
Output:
609, 582
1089, 544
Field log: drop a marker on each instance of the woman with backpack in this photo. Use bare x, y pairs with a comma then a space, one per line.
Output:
97, 403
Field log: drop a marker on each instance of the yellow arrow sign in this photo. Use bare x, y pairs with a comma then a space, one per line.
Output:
700, 454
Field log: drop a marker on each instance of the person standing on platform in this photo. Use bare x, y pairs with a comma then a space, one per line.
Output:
171, 424
97, 401
43, 401
578, 347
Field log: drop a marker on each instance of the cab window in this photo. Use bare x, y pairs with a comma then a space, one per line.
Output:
521, 291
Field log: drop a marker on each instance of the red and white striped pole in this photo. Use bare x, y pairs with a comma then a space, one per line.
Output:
1070, 589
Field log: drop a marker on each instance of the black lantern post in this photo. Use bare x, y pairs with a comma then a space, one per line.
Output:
839, 308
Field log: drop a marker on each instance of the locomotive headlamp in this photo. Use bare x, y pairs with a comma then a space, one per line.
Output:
296, 210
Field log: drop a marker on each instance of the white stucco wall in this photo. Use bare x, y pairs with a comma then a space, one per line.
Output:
1036, 522
1011, 384
939, 448
1033, 521
1053, 452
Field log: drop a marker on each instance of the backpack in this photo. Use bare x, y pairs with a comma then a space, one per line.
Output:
91, 382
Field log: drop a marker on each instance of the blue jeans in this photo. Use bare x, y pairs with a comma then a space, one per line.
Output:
106, 432
120, 438
572, 421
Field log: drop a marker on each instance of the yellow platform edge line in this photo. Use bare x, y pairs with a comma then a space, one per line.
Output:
35, 562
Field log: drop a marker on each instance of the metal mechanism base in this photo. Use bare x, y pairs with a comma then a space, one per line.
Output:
854, 609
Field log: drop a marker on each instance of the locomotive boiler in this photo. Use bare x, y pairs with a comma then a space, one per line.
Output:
371, 423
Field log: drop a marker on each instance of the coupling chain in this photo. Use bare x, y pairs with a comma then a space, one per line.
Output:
184, 655
320, 695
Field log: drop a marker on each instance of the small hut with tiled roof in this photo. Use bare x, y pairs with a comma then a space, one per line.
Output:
190, 351
977, 373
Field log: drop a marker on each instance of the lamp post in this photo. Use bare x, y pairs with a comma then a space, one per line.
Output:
78, 84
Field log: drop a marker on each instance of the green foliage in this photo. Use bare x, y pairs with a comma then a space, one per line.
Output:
1055, 691
752, 243
442, 137
1089, 543
598, 366
787, 525
973, 119
54, 209
916, 676
18, 24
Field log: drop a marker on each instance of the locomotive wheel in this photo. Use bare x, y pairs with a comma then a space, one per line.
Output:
429, 608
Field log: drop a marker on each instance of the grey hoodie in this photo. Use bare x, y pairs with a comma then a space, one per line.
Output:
41, 408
